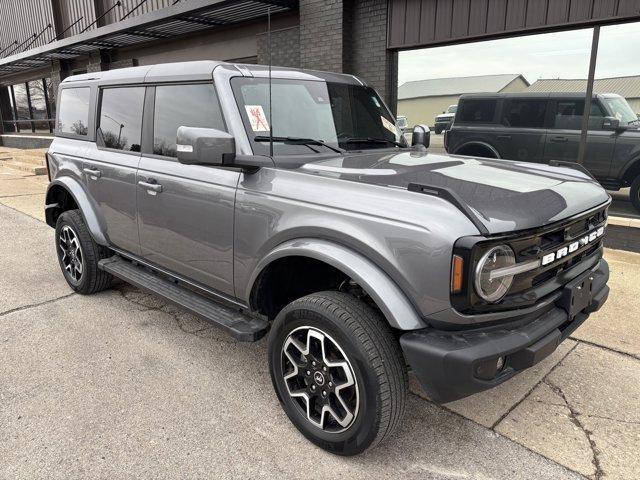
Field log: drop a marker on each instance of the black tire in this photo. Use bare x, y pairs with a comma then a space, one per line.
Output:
365, 340
437, 130
634, 193
90, 279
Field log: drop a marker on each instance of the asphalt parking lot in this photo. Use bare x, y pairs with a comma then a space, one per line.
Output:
121, 385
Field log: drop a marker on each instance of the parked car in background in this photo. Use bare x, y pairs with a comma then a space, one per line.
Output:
402, 123
358, 253
443, 122
544, 127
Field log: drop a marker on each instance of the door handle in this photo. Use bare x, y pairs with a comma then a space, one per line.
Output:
152, 187
559, 139
95, 174
504, 137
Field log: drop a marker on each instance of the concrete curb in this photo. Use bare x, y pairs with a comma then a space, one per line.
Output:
624, 221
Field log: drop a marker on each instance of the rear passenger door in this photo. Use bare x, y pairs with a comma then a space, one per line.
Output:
563, 139
110, 169
524, 135
186, 218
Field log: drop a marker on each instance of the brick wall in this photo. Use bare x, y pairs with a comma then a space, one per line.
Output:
321, 34
366, 47
285, 47
349, 36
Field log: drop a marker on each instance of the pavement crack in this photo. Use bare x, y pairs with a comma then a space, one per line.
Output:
161, 308
609, 349
34, 305
574, 418
526, 395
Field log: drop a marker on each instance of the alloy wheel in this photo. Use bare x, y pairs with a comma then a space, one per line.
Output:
71, 255
320, 379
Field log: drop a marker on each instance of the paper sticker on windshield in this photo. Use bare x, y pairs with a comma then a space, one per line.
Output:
257, 118
388, 125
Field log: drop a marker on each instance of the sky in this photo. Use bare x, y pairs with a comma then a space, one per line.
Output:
549, 55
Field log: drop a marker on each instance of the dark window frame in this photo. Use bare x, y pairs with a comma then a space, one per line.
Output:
497, 108
90, 136
508, 101
98, 112
149, 114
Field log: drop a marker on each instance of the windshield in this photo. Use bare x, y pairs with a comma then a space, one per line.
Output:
401, 121
452, 109
621, 110
344, 116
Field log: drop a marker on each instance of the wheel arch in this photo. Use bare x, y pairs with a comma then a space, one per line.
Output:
382, 290
631, 171
477, 144
67, 194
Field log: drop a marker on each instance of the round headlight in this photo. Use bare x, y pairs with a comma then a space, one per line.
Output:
488, 286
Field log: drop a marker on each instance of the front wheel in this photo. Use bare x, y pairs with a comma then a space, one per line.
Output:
634, 193
338, 372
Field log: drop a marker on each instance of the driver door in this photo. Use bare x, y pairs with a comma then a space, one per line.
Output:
185, 212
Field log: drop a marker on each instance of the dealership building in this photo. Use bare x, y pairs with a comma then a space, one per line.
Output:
44, 41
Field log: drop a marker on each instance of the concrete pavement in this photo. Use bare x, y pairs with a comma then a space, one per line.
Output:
120, 384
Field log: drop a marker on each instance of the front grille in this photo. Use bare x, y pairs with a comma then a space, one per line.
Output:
528, 287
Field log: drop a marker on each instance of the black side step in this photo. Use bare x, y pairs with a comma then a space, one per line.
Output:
242, 327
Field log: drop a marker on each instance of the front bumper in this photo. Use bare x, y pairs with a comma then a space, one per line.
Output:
453, 365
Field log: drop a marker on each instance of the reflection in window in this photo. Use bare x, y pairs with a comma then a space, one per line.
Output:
74, 111
477, 111
21, 101
569, 115
527, 113
121, 118
183, 105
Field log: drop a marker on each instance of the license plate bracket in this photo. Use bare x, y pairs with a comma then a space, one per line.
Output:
577, 294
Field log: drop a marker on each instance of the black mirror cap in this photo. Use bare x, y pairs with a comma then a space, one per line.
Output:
610, 123
421, 136
205, 146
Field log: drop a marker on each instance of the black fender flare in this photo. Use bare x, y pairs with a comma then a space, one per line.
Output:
86, 204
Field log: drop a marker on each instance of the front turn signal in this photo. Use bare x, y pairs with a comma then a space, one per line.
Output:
457, 267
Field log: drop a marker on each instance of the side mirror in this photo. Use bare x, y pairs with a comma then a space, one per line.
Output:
610, 123
421, 136
205, 146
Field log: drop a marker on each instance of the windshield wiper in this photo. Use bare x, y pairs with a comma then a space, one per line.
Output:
299, 141
374, 140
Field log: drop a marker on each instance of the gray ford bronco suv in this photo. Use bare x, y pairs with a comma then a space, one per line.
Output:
360, 255
546, 127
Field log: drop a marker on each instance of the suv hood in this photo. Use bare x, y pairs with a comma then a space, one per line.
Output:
505, 195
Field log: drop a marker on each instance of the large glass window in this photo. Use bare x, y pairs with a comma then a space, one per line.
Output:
30, 106
477, 111
526, 113
341, 115
183, 105
74, 111
569, 115
121, 118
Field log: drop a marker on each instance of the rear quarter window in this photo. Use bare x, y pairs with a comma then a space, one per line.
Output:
476, 111
73, 111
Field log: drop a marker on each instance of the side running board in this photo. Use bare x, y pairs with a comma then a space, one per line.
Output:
242, 327
451, 197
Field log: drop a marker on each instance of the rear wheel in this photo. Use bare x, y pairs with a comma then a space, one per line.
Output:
78, 254
635, 193
338, 372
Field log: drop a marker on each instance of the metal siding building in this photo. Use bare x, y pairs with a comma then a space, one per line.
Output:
43, 41
627, 87
420, 101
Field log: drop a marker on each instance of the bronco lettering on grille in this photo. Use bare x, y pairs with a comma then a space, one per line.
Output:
572, 247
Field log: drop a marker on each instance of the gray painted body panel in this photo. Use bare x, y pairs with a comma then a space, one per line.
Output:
187, 228
220, 227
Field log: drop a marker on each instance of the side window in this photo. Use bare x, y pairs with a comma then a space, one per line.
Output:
73, 111
524, 113
183, 105
569, 115
121, 117
476, 111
